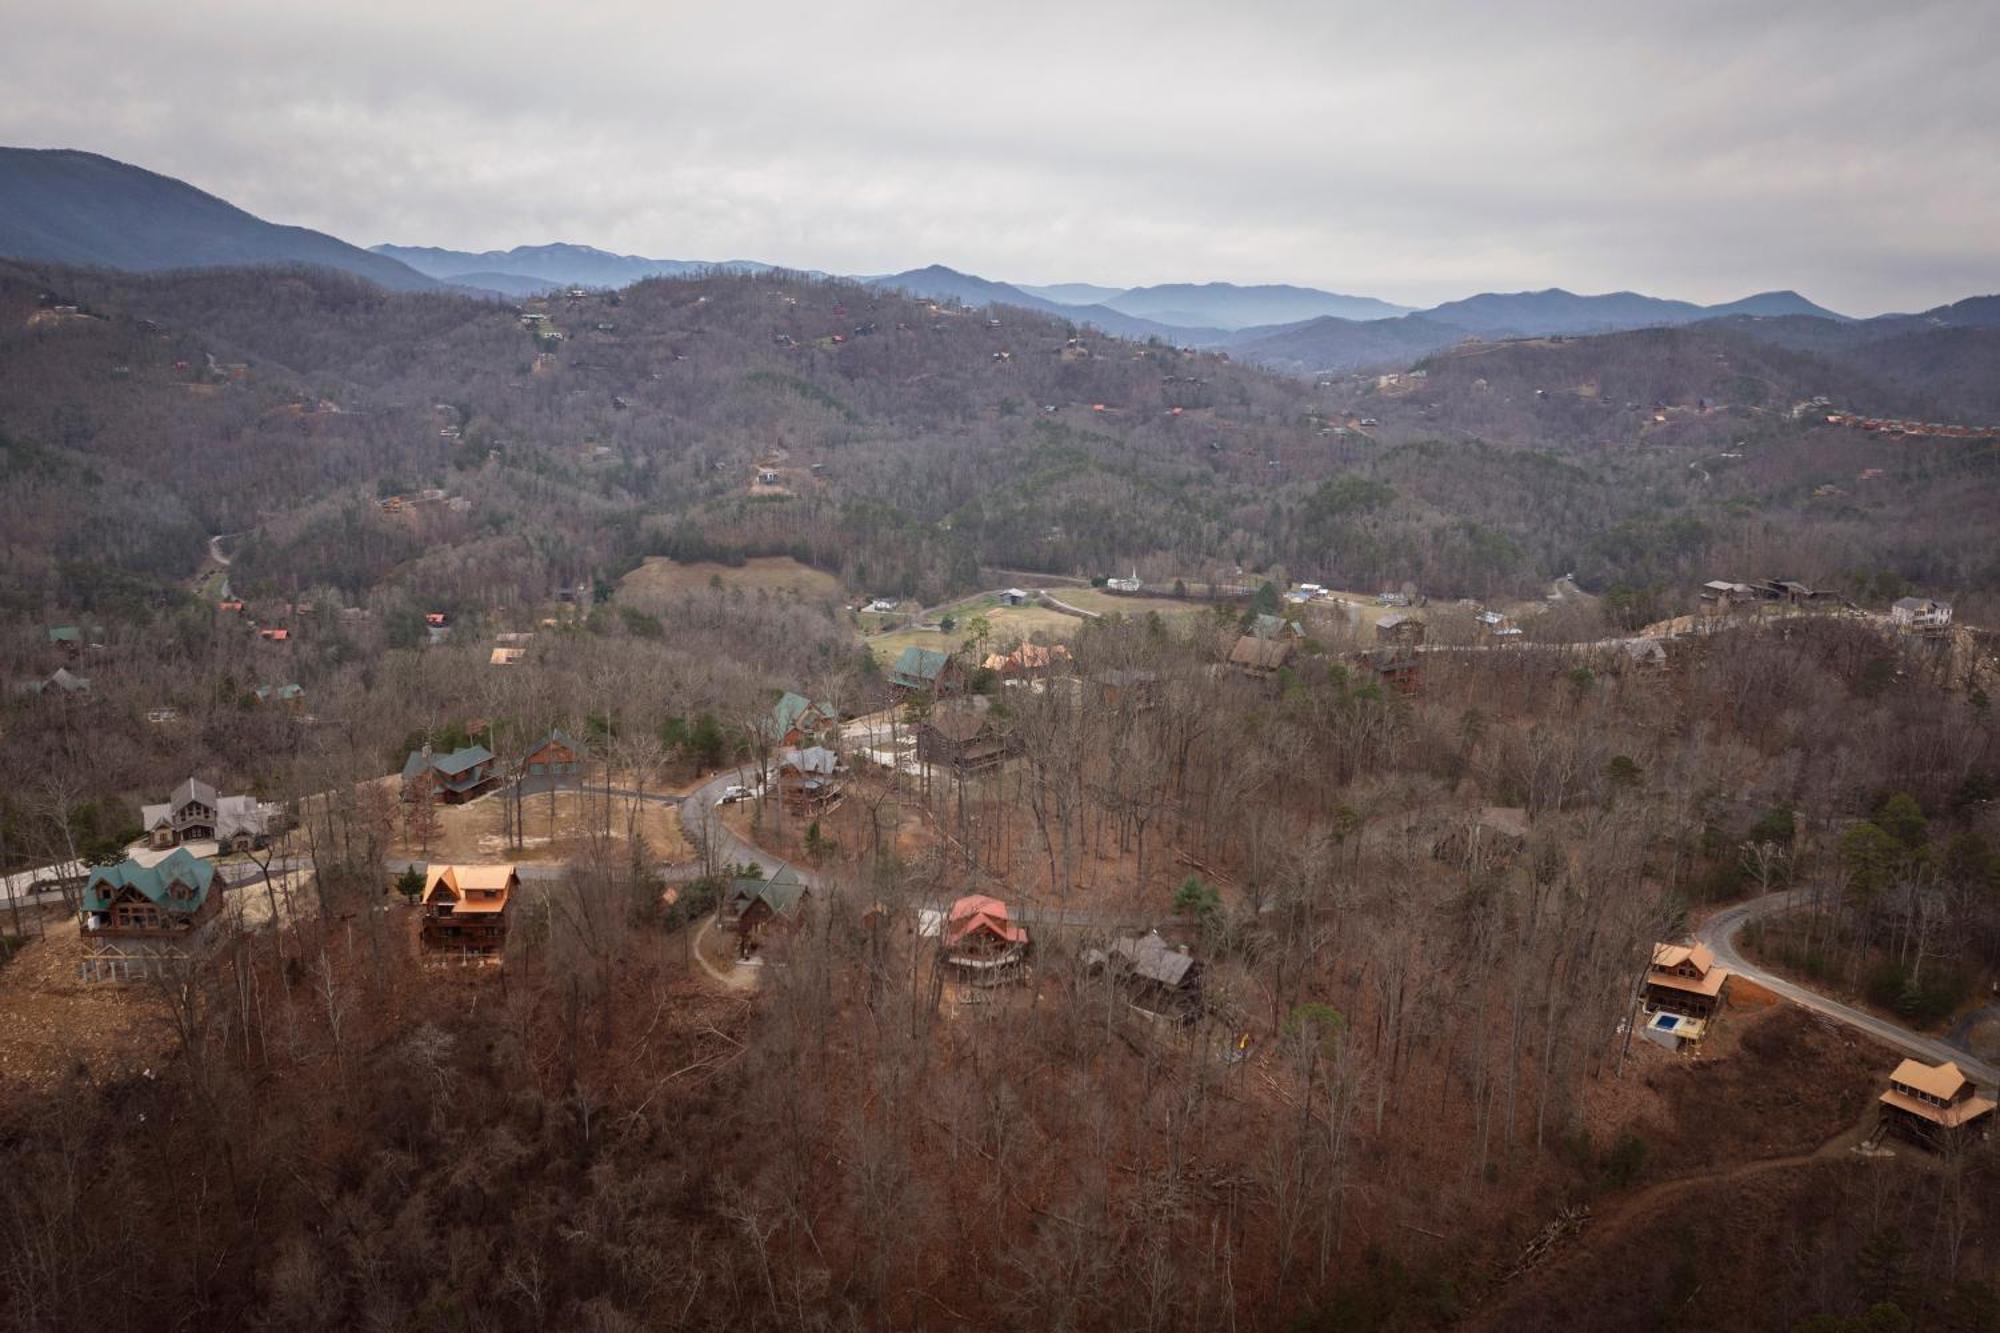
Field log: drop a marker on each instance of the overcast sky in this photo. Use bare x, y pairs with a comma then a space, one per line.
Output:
1411, 151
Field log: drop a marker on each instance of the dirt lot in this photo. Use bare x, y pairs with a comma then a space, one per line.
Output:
476, 831
1767, 1083
51, 1024
660, 578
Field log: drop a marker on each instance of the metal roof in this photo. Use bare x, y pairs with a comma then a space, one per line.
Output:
179, 866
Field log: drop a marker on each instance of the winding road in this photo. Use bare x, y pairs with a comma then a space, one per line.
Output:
1719, 933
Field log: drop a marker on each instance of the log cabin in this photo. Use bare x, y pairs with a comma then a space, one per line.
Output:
1934, 1103
1683, 979
465, 911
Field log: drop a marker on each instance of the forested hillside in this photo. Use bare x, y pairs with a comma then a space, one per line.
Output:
916, 443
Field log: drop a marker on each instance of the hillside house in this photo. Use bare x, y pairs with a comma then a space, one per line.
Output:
882, 606
507, 656
1498, 626
553, 756
1391, 669
1154, 975
1137, 686
1684, 980
1399, 629
1029, 659
1130, 583
1267, 626
754, 907
452, 778
809, 781
72, 639
926, 671
62, 683
1718, 595
291, 694
1922, 615
138, 918
965, 735
1260, 659
982, 945
796, 720
1931, 1103
465, 911
1014, 597
195, 813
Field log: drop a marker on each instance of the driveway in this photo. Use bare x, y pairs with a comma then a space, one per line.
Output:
703, 821
1719, 933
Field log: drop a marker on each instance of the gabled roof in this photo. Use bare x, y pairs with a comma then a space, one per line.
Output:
1260, 654
1152, 958
1669, 956
918, 668
781, 892
1941, 1081
556, 737
178, 867
795, 710
962, 720
976, 912
1673, 955
811, 759
1267, 626
458, 881
460, 761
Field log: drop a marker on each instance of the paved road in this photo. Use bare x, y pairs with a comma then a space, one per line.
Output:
1719, 933
702, 820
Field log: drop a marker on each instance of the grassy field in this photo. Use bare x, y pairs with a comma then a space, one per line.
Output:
1106, 603
661, 578
1008, 624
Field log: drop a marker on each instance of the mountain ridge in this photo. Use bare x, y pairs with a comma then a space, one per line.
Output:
66, 206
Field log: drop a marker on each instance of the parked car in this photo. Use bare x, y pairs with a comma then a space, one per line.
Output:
735, 792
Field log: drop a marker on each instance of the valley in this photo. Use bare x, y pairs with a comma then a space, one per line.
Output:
575, 790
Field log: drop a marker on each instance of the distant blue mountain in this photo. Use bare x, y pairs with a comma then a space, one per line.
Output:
66, 207
557, 265
1073, 293
941, 284
1225, 305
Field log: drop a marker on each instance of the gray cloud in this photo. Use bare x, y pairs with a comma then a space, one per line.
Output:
1416, 152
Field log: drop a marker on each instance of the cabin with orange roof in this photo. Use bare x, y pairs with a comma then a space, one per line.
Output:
982, 943
465, 911
1684, 980
1934, 1103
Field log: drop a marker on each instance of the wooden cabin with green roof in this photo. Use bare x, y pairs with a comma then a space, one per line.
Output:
553, 756
137, 917
797, 721
751, 906
458, 776
926, 671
